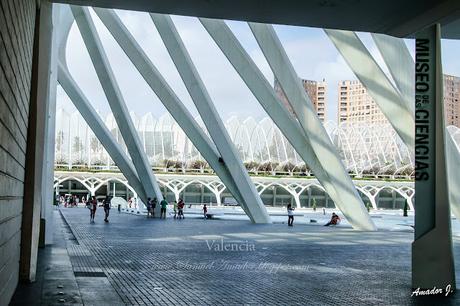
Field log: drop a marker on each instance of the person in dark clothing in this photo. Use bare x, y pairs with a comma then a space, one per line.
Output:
164, 205
92, 208
205, 210
290, 212
335, 219
180, 206
154, 205
149, 207
107, 206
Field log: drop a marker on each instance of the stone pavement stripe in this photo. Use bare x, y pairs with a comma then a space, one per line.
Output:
180, 269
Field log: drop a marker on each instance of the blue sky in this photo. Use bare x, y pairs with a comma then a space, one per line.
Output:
312, 54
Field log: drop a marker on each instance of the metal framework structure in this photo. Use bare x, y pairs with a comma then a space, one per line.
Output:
371, 150
177, 183
281, 142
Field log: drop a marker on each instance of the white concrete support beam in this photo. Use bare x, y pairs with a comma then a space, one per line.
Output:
377, 84
168, 97
290, 128
59, 27
100, 130
400, 64
50, 125
116, 101
349, 200
252, 203
453, 178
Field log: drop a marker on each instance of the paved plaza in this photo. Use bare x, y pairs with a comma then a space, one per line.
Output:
133, 260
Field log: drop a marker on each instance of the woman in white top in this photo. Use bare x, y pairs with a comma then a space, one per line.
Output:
290, 212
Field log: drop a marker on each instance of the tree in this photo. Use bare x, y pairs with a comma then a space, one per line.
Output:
77, 144
198, 165
287, 167
59, 140
251, 166
94, 145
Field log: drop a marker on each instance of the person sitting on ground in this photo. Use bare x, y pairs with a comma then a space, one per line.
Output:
290, 212
149, 207
205, 210
180, 206
335, 219
163, 204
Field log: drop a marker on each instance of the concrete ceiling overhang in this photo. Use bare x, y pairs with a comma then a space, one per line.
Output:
401, 18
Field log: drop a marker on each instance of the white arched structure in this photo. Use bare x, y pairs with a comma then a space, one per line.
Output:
371, 150
177, 184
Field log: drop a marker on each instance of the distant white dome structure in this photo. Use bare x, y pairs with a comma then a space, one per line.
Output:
366, 150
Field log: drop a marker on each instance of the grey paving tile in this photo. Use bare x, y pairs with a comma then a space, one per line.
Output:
197, 262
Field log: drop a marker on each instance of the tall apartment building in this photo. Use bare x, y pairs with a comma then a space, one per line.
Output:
355, 105
315, 90
452, 100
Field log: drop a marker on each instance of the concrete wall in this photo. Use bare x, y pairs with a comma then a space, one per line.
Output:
17, 24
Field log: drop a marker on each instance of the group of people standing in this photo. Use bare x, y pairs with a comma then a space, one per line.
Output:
178, 208
71, 200
92, 206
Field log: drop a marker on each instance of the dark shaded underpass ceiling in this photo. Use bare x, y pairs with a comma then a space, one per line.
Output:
400, 18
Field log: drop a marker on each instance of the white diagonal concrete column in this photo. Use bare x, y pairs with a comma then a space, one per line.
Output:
168, 97
100, 130
400, 64
348, 198
382, 91
252, 203
453, 178
291, 129
116, 101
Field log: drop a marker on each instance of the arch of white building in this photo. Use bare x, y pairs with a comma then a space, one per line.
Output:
177, 184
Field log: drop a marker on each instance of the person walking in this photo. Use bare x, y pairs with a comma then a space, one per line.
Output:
149, 207
205, 211
163, 204
107, 206
154, 205
175, 209
290, 212
180, 206
92, 209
